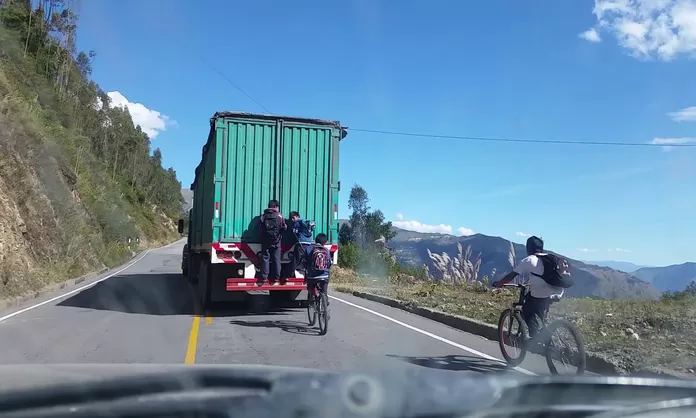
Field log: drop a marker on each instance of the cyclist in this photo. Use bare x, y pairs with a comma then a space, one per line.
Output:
318, 265
540, 294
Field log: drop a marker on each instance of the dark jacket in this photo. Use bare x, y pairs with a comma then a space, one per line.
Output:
283, 225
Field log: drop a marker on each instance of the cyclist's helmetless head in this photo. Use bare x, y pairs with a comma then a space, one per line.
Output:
534, 245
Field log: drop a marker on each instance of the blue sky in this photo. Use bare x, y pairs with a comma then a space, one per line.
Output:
572, 71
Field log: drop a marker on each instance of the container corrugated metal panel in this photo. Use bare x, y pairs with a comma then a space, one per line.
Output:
251, 159
306, 173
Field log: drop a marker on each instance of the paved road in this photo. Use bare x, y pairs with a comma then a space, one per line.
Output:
145, 314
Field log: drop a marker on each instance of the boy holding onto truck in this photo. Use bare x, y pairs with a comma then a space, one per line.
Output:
302, 230
318, 266
272, 227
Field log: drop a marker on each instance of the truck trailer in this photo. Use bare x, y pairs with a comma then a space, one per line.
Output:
248, 160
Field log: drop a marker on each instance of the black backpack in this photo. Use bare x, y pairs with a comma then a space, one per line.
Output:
271, 226
556, 271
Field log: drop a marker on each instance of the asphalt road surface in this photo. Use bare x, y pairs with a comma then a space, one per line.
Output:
143, 312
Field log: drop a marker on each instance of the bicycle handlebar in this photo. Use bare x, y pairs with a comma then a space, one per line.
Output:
515, 285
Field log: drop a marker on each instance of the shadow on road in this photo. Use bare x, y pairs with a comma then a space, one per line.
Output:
293, 327
456, 363
154, 294
148, 294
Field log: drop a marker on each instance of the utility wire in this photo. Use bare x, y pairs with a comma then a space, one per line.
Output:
531, 141
236, 86
468, 138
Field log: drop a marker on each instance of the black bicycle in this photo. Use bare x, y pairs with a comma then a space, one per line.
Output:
551, 347
317, 306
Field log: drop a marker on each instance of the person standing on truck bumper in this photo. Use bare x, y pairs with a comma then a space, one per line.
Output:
304, 238
272, 228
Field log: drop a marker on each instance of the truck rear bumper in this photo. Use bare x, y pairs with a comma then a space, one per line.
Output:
247, 285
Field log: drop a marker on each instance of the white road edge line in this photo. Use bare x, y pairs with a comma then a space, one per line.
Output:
28, 308
431, 335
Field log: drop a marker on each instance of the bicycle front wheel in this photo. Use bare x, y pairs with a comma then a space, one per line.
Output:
572, 358
323, 313
311, 309
512, 332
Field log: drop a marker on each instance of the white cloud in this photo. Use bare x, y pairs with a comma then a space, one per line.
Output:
465, 232
667, 142
687, 114
586, 250
399, 217
419, 227
620, 250
591, 35
648, 28
523, 234
151, 121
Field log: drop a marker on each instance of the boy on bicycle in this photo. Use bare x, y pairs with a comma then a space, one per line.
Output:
318, 265
542, 269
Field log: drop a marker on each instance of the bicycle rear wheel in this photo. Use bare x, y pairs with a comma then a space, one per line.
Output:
511, 329
323, 313
557, 351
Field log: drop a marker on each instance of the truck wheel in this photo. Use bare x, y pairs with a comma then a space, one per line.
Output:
193, 274
204, 285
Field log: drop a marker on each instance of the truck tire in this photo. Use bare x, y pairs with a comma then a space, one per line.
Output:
204, 284
194, 265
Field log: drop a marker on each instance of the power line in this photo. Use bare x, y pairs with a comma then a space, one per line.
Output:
519, 140
469, 138
236, 86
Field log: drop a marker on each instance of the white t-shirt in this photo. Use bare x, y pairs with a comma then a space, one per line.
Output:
538, 287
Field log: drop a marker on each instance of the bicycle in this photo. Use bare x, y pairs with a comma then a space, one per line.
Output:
514, 313
317, 306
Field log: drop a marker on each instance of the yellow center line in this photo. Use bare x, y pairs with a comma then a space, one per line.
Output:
195, 326
193, 341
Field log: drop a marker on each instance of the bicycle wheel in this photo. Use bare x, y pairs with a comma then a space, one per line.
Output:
311, 309
557, 351
323, 313
508, 333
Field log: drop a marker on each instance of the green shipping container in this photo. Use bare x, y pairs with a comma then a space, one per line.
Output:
250, 159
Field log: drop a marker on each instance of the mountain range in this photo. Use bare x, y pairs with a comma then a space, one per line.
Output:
617, 265
669, 278
411, 248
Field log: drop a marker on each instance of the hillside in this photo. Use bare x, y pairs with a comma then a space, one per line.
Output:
77, 178
411, 249
616, 265
187, 196
669, 278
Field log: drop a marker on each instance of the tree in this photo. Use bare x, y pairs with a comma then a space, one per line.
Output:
376, 228
345, 235
47, 34
357, 202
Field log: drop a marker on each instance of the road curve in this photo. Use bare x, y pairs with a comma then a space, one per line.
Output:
144, 312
